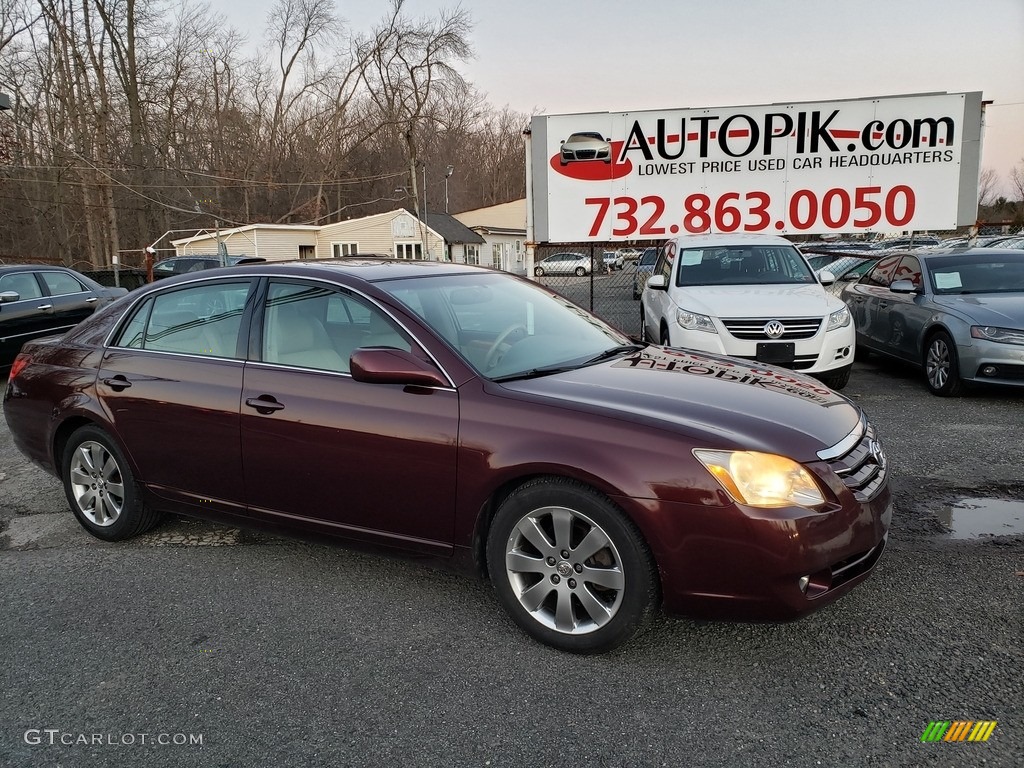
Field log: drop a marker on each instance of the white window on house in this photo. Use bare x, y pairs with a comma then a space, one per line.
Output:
497, 251
344, 249
472, 254
409, 251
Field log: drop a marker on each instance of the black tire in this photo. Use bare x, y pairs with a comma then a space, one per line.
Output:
837, 379
643, 327
942, 366
664, 340
538, 271
581, 271
551, 579
861, 353
101, 489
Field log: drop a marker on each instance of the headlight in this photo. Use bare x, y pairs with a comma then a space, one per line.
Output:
1002, 335
838, 319
693, 321
762, 479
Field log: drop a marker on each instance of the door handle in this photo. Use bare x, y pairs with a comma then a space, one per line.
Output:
264, 404
117, 383
43, 307
91, 300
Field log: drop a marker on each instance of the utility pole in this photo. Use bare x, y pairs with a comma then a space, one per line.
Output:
426, 234
447, 174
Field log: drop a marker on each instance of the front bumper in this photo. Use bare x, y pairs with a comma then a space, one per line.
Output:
1007, 360
823, 352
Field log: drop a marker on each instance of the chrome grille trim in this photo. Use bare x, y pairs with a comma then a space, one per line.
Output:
752, 329
862, 466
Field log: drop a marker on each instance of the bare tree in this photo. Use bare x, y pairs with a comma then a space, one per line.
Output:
988, 187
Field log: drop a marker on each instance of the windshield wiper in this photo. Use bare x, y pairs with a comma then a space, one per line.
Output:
614, 352
534, 373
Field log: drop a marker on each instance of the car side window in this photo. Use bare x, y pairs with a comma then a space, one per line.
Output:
909, 269
199, 320
883, 271
22, 283
61, 283
312, 326
666, 258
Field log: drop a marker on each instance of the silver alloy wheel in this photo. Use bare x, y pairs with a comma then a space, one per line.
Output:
938, 364
565, 570
97, 484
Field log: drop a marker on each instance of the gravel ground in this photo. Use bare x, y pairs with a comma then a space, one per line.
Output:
279, 653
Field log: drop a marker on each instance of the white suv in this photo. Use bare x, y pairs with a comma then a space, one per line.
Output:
748, 296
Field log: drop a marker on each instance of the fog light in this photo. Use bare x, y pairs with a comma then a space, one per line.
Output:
804, 581
989, 370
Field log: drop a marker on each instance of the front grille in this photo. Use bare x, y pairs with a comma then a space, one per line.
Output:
586, 154
752, 329
863, 467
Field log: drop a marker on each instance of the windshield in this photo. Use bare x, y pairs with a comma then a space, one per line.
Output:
742, 265
971, 273
505, 327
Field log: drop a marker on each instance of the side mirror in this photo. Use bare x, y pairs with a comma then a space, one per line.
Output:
826, 278
384, 365
903, 286
8, 297
657, 282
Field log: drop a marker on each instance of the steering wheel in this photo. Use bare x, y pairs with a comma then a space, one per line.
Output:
495, 353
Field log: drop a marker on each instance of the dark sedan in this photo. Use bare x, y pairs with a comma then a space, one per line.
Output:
470, 415
37, 300
958, 314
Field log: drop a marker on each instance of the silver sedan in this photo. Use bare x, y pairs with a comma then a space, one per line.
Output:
957, 314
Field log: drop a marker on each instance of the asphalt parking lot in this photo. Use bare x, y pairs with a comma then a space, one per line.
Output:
238, 649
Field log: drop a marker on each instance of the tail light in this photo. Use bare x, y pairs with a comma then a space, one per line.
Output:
19, 364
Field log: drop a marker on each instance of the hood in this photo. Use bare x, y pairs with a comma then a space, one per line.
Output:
720, 401
772, 301
1005, 310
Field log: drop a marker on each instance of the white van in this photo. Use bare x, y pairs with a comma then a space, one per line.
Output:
748, 296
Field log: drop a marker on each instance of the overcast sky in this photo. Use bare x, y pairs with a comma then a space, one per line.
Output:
554, 57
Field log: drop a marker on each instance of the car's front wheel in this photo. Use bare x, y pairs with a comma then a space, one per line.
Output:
581, 271
101, 489
942, 366
570, 568
838, 378
538, 271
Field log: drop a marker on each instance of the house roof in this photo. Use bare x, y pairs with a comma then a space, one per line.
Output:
206, 234
451, 229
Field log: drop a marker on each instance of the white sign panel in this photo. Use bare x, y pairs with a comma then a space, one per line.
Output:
880, 165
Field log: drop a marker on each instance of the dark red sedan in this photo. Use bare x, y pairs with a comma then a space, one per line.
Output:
468, 414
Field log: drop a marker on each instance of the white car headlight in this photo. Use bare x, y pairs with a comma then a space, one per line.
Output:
762, 479
838, 319
694, 321
1002, 335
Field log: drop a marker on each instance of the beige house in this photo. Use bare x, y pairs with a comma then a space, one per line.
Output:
503, 229
397, 233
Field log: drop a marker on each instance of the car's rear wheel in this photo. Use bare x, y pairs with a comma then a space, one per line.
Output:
570, 568
581, 271
101, 489
942, 366
538, 271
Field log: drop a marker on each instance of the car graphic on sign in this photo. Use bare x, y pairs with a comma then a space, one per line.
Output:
585, 145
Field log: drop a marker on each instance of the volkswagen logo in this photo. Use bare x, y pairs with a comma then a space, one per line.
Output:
875, 449
773, 329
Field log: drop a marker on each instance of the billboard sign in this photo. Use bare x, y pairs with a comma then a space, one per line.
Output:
870, 165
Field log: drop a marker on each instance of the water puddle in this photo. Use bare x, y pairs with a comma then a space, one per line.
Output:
976, 518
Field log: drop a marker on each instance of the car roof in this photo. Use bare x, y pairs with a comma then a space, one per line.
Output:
19, 267
369, 270
700, 241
